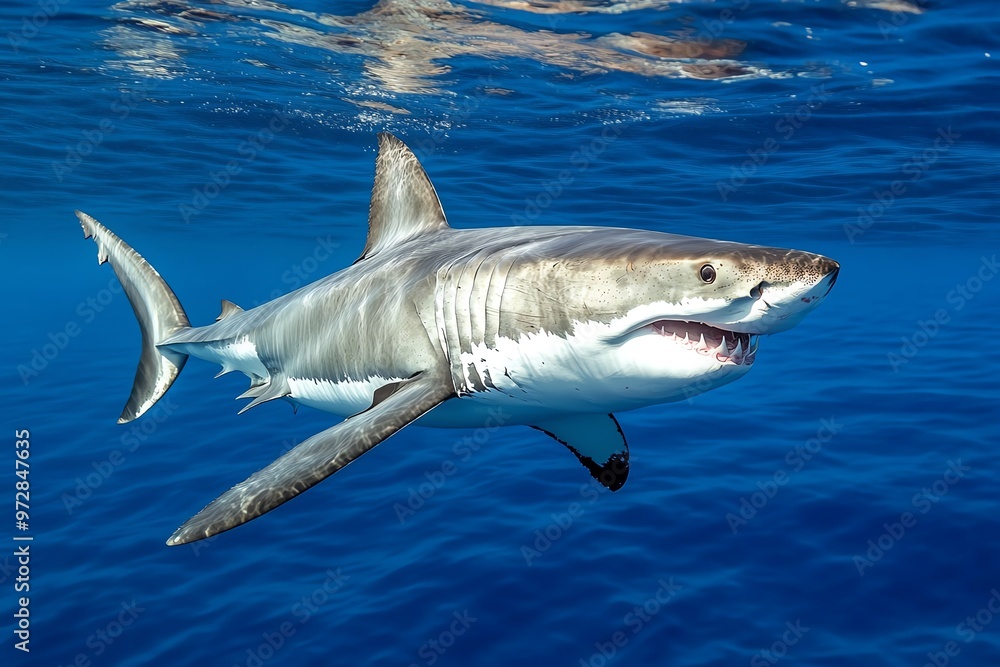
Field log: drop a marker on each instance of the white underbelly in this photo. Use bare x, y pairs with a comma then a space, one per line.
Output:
239, 354
344, 398
543, 376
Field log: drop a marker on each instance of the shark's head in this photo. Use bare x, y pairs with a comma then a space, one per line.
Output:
698, 307
673, 316
729, 286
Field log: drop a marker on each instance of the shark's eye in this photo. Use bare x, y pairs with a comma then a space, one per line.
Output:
707, 273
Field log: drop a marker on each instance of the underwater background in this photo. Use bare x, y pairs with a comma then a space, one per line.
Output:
837, 506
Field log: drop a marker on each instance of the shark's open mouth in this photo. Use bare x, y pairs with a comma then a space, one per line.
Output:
727, 347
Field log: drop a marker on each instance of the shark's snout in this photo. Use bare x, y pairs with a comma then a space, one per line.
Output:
832, 270
803, 268
820, 277
788, 301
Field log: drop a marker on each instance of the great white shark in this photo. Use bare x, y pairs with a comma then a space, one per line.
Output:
556, 327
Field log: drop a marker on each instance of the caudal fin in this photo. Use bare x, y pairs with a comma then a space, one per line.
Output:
156, 307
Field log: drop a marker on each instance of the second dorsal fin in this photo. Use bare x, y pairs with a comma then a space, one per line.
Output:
404, 203
228, 308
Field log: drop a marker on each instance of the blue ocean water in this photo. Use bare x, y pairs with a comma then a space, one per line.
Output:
835, 507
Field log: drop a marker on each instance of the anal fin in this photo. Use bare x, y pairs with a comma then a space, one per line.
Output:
597, 441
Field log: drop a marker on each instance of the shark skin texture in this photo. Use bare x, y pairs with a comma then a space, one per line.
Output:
554, 327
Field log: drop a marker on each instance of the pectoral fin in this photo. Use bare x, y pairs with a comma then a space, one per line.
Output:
598, 441
316, 459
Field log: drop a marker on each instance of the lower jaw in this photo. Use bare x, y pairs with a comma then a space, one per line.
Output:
713, 379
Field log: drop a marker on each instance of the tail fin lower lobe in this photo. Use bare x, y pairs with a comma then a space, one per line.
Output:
156, 307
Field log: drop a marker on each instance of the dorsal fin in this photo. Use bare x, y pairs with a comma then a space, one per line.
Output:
228, 308
404, 203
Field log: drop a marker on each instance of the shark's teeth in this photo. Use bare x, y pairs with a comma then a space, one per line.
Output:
727, 347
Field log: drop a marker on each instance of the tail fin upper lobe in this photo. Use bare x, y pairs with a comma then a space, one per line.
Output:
156, 307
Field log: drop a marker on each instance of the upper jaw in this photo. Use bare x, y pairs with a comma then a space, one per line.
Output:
793, 305
776, 307
779, 307
727, 347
